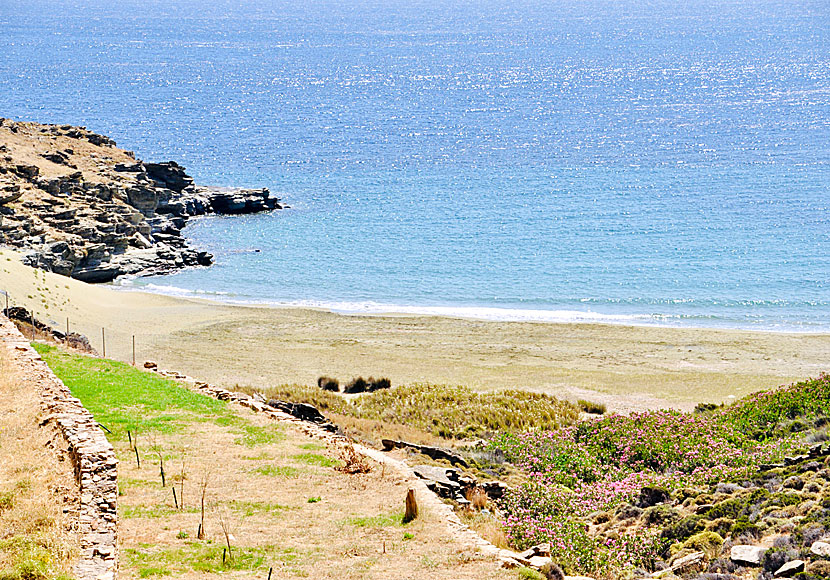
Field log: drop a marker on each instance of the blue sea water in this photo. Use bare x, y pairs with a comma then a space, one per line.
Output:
632, 161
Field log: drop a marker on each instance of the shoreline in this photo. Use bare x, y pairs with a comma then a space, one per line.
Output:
457, 312
628, 368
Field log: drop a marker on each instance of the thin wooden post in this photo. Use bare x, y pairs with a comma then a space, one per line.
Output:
6, 292
133, 350
67, 327
411, 507
33, 323
103, 343
175, 501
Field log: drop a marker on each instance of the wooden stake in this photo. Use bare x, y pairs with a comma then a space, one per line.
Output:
411, 507
137, 459
269, 572
133, 350
103, 344
130, 437
175, 500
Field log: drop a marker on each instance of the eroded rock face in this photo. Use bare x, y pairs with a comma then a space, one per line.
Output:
86, 209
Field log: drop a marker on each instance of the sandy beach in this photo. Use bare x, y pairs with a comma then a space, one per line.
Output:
626, 367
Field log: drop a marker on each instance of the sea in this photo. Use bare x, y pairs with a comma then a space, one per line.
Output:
653, 162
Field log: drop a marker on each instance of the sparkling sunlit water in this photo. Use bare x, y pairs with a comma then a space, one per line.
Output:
650, 162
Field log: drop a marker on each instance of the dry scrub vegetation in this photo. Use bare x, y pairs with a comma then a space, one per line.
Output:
35, 488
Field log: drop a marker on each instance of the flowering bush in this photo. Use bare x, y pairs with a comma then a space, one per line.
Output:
600, 464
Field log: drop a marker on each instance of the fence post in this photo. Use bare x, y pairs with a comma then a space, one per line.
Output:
103, 343
133, 350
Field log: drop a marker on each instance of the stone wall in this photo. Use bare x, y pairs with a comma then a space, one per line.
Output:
93, 457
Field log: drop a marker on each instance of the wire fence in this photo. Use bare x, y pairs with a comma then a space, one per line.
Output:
107, 341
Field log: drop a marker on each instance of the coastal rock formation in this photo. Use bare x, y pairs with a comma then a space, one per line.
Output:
79, 206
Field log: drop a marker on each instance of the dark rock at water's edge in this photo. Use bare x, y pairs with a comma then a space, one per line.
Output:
93, 212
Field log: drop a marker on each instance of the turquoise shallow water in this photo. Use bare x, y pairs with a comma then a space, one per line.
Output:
634, 162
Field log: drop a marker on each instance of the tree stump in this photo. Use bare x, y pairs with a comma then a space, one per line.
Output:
411, 507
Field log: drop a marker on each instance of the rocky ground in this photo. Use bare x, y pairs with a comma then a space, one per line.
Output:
80, 206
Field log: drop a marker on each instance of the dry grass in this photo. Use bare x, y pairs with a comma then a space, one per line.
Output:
35, 487
282, 499
425, 411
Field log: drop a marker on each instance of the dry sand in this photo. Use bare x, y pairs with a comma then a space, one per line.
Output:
626, 367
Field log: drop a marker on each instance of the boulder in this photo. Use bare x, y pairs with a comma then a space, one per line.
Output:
539, 561
27, 171
746, 555
821, 549
650, 496
790, 569
692, 562
494, 489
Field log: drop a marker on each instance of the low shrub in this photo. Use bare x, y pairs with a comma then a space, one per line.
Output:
329, 384
358, 385
378, 384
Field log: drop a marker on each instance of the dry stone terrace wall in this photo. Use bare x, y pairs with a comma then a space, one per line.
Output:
92, 456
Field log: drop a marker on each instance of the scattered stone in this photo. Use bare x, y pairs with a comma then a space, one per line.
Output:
688, 563
821, 549
539, 561
790, 569
302, 411
793, 482
651, 496
436, 453
148, 364
747, 555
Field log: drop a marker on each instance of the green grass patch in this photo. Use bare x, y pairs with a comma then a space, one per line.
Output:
316, 459
29, 558
253, 435
259, 457
159, 511
312, 446
383, 521
199, 557
276, 471
124, 398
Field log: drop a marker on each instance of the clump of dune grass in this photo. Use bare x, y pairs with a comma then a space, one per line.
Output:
591, 407
449, 412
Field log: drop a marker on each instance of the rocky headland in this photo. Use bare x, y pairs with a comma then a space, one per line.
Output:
77, 205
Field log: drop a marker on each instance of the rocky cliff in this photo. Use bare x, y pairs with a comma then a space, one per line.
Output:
79, 206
